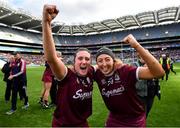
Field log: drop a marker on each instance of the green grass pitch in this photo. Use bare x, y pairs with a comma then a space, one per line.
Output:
165, 112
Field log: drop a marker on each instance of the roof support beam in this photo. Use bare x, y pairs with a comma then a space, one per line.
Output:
71, 30
119, 23
94, 30
81, 29
5, 15
177, 14
137, 21
61, 28
21, 22
156, 17
101, 23
36, 26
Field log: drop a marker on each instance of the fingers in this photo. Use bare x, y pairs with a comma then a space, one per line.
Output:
131, 40
10, 77
50, 12
51, 9
128, 38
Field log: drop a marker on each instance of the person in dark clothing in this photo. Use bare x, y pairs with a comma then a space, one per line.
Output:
6, 69
147, 89
18, 75
165, 62
53, 91
54, 86
172, 66
153, 87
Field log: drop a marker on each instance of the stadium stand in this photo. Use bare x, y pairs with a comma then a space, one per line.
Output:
158, 31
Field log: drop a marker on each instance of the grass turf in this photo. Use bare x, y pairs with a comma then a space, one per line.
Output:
164, 112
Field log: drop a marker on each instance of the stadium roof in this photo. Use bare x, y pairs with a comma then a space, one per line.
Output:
23, 20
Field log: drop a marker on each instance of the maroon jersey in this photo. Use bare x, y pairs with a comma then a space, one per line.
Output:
47, 75
74, 100
20, 70
120, 96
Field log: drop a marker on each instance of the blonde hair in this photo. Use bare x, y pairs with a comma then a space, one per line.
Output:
117, 63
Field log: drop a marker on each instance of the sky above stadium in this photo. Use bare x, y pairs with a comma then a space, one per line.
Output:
86, 11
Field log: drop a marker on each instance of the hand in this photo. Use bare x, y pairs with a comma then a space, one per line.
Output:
10, 77
130, 39
49, 12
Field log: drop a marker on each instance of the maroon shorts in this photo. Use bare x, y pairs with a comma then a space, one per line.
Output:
114, 121
56, 123
47, 76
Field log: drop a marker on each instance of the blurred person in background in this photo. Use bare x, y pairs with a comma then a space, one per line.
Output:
172, 66
165, 63
47, 83
54, 86
147, 89
18, 75
6, 69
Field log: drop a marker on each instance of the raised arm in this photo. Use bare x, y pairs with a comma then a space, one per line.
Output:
57, 66
153, 69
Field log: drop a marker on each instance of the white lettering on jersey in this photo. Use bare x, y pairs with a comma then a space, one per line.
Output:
82, 95
113, 92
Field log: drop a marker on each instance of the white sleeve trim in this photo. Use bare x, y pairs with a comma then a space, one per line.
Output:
66, 71
137, 73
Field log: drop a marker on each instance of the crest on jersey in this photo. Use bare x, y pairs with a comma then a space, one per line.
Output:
84, 82
110, 81
103, 81
117, 78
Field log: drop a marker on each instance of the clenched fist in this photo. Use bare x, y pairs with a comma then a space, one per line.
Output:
49, 12
130, 39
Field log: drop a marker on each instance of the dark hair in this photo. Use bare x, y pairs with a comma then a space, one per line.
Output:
81, 49
15, 53
105, 50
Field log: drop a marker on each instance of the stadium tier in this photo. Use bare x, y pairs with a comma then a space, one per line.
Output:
156, 37
158, 31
